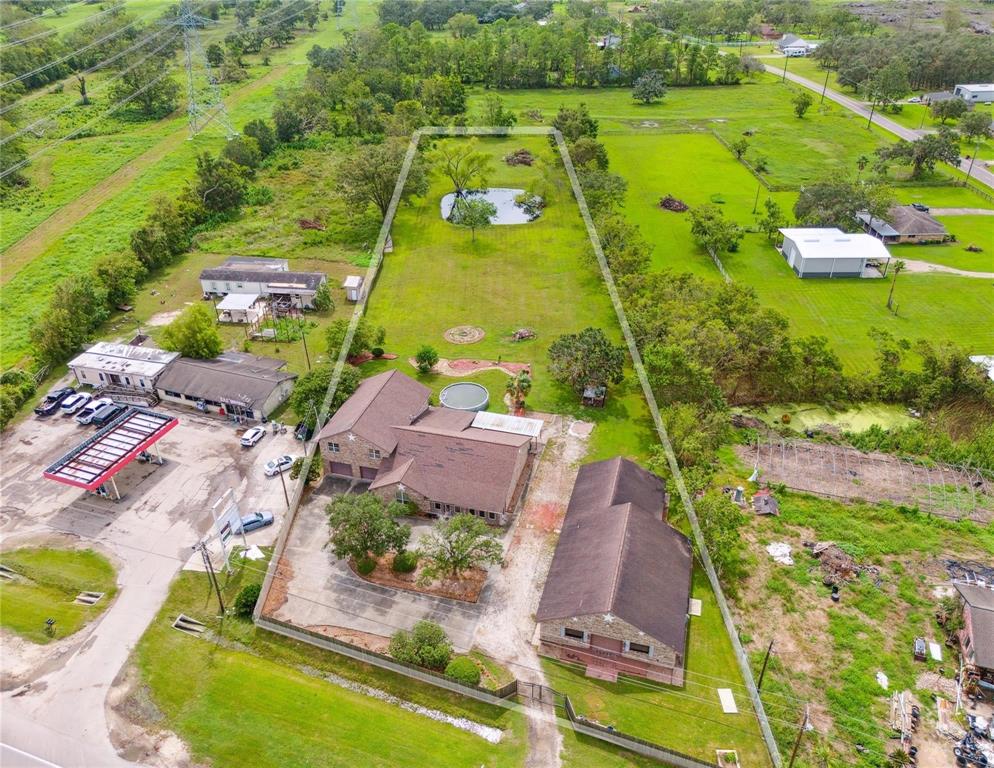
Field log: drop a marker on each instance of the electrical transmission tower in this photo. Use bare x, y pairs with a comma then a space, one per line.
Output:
204, 105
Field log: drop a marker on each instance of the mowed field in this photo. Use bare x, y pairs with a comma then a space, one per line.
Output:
697, 169
540, 275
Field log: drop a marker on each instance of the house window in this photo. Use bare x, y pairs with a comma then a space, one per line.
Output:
127, 381
491, 515
575, 634
101, 376
334, 447
401, 497
81, 374
640, 648
374, 453
170, 393
141, 382
437, 506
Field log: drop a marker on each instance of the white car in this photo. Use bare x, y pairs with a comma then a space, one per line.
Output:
915, 100
278, 465
85, 416
74, 402
253, 436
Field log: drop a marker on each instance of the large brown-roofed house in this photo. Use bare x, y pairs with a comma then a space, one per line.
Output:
388, 434
977, 635
904, 224
618, 591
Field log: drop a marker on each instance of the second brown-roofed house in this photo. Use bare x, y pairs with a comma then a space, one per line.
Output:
618, 591
904, 224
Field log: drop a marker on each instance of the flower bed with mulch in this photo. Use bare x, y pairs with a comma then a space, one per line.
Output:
464, 366
467, 588
365, 357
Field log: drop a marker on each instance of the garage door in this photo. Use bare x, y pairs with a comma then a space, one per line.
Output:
341, 468
367, 473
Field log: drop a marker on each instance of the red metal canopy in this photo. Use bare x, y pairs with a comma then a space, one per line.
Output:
98, 458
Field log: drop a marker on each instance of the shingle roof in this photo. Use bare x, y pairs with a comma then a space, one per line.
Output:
379, 404
307, 280
247, 382
441, 457
903, 220
617, 555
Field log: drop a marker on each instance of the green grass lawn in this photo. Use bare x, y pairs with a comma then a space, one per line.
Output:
968, 230
539, 275
810, 416
688, 719
53, 578
697, 169
247, 702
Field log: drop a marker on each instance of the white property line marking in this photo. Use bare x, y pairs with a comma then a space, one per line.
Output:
39, 760
639, 366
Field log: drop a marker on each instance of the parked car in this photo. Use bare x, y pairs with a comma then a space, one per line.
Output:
255, 521
53, 401
253, 436
915, 100
106, 414
303, 431
73, 403
86, 415
920, 207
278, 465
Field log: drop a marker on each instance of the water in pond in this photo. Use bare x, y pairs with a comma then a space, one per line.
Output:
502, 198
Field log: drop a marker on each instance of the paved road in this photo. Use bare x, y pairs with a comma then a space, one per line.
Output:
979, 173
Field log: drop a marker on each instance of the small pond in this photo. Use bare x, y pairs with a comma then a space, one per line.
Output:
503, 199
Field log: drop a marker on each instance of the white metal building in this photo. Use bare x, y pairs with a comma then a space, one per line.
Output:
120, 365
976, 93
830, 252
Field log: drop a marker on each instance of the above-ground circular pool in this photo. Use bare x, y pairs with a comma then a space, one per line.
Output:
465, 396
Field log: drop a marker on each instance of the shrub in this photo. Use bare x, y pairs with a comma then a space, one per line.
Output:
377, 351
405, 561
426, 358
464, 670
365, 565
247, 598
426, 645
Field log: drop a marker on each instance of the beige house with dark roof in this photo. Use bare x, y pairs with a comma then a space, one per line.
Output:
904, 224
386, 433
618, 591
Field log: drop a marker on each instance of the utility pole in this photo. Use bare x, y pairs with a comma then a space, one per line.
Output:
210, 573
976, 148
303, 338
208, 107
786, 58
762, 672
824, 88
286, 497
800, 733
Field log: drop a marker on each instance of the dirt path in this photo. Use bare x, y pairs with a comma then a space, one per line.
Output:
912, 265
961, 212
506, 630
37, 241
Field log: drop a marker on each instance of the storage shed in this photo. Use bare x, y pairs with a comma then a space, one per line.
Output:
353, 287
830, 252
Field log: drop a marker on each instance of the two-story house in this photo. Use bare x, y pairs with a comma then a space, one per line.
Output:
977, 636
440, 459
617, 595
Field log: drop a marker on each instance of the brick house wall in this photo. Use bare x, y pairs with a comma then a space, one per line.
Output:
355, 453
662, 663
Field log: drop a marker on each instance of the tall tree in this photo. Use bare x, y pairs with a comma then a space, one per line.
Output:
921, 154
495, 113
365, 338
898, 268
584, 359
193, 334
148, 86
456, 545
220, 184
363, 526
370, 174
575, 123
649, 87
835, 203
712, 230
310, 389
473, 213
462, 162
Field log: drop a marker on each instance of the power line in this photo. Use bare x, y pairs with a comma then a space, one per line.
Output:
54, 30
118, 76
68, 56
86, 125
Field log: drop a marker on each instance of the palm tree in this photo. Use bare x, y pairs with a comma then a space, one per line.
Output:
518, 387
898, 269
861, 162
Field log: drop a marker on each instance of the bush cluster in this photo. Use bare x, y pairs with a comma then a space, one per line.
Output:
426, 645
405, 561
247, 597
464, 670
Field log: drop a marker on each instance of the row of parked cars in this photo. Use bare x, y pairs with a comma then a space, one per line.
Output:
86, 409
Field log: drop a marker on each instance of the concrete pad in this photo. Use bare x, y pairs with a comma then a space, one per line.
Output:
695, 607
727, 701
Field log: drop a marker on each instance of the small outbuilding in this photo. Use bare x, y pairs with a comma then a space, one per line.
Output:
830, 252
239, 308
353, 287
976, 93
904, 224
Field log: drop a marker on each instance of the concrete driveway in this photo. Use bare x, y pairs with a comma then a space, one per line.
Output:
60, 716
323, 592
